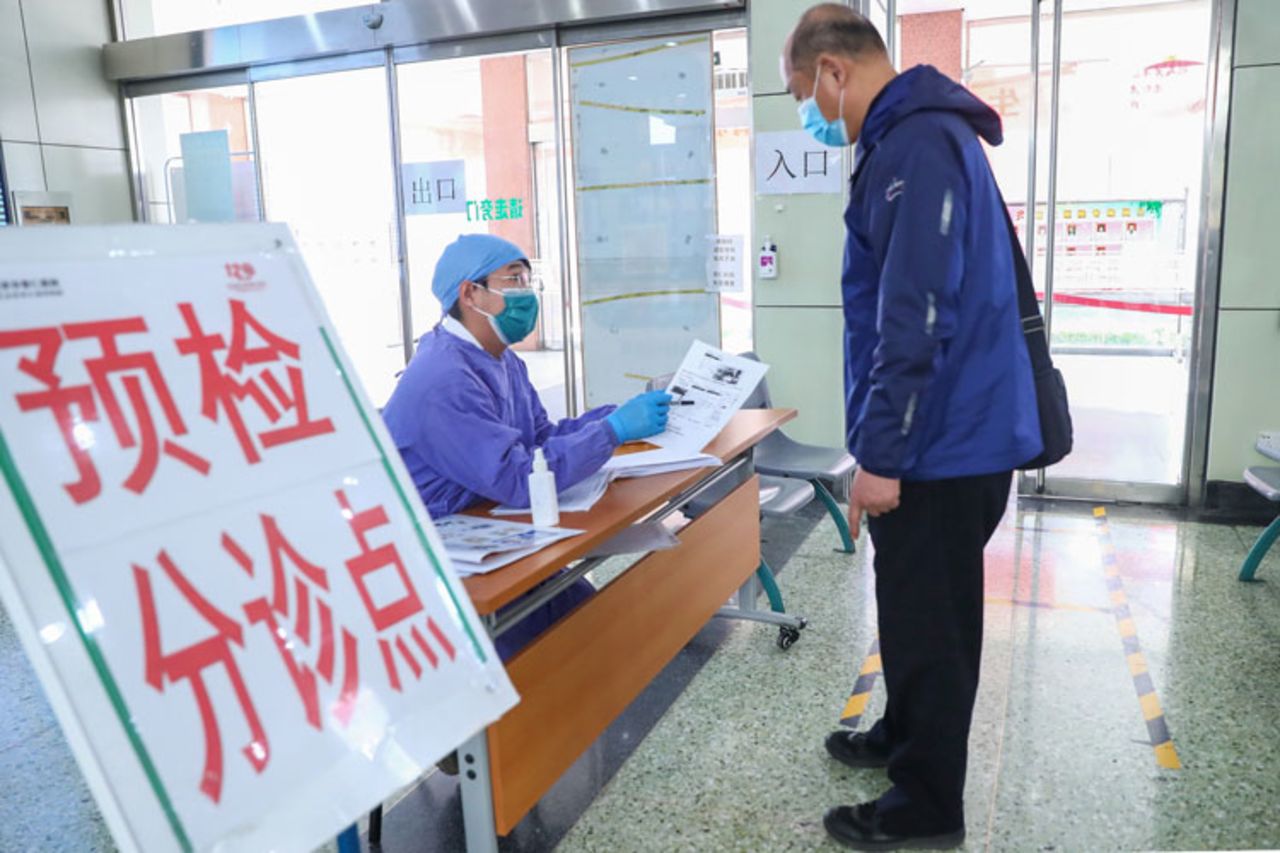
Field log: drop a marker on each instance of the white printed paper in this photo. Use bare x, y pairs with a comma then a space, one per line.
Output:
638, 539
791, 162
710, 386
471, 539
579, 497
648, 463
724, 263
439, 186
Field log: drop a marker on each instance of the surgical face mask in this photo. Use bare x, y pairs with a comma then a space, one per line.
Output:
518, 316
833, 133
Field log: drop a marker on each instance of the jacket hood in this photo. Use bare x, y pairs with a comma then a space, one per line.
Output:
921, 89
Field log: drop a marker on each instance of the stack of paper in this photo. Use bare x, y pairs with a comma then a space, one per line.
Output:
661, 461
577, 498
480, 545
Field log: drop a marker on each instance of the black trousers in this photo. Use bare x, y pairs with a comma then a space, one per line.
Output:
929, 593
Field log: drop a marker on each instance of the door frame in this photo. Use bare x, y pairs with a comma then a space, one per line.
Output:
1191, 486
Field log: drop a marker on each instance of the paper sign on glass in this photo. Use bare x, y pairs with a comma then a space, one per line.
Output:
724, 263
438, 186
241, 614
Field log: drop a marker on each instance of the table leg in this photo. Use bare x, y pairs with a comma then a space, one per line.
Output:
477, 794
748, 593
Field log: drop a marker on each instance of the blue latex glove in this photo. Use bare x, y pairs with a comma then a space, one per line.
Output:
641, 416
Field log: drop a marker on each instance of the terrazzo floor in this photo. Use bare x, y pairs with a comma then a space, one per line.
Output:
1060, 755
724, 751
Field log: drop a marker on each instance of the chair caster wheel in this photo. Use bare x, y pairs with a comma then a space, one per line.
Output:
787, 637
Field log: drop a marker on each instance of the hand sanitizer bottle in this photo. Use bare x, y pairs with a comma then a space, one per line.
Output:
542, 493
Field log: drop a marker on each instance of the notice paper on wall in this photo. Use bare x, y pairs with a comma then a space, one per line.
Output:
724, 263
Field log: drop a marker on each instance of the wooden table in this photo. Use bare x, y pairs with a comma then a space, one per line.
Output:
581, 673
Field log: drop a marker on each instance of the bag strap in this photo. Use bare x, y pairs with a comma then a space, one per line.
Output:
1028, 307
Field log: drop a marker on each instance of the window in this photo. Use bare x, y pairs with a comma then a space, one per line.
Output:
162, 122
145, 18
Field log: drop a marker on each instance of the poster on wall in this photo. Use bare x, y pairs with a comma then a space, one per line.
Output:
41, 208
240, 612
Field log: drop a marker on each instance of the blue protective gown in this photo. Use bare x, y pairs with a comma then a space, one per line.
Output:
466, 425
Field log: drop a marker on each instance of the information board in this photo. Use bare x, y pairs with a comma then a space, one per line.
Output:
645, 199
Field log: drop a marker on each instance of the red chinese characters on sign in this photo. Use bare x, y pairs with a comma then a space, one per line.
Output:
399, 615
224, 386
125, 381
309, 582
299, 617
75, 406
189, 664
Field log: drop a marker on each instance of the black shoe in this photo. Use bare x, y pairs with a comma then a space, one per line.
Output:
859, 827
856, 749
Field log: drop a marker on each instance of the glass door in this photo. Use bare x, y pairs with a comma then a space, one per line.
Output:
163, 121
478, 150
1129, 145
1102, 182
325, 145
643, 169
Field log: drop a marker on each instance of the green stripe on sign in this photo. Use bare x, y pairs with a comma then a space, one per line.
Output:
35, 526
404, 500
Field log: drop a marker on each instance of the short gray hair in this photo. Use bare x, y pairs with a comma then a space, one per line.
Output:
832, 28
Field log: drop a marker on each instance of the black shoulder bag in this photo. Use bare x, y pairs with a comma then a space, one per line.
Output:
1051, 390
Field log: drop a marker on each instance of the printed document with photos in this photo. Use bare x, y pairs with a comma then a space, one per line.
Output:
710, 386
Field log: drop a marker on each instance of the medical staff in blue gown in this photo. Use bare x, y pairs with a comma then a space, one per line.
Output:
466, 419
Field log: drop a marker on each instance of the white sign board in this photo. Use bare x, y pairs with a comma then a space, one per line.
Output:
792, 162
439, 186
223, 576
724, 263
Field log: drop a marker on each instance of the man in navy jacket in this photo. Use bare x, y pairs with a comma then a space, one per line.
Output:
940, 403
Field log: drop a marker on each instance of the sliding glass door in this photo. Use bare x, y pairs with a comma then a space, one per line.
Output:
1103, 104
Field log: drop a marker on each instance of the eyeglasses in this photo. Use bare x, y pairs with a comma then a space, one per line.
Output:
521, 281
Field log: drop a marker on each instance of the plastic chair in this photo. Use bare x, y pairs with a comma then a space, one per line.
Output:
1266, 482
782, 456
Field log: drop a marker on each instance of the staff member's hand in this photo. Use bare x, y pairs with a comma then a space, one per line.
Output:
872, 495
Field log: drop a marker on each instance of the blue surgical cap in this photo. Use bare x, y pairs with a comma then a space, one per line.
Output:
469, 258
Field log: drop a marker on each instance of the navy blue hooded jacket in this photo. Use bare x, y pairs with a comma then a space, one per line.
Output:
937, 377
